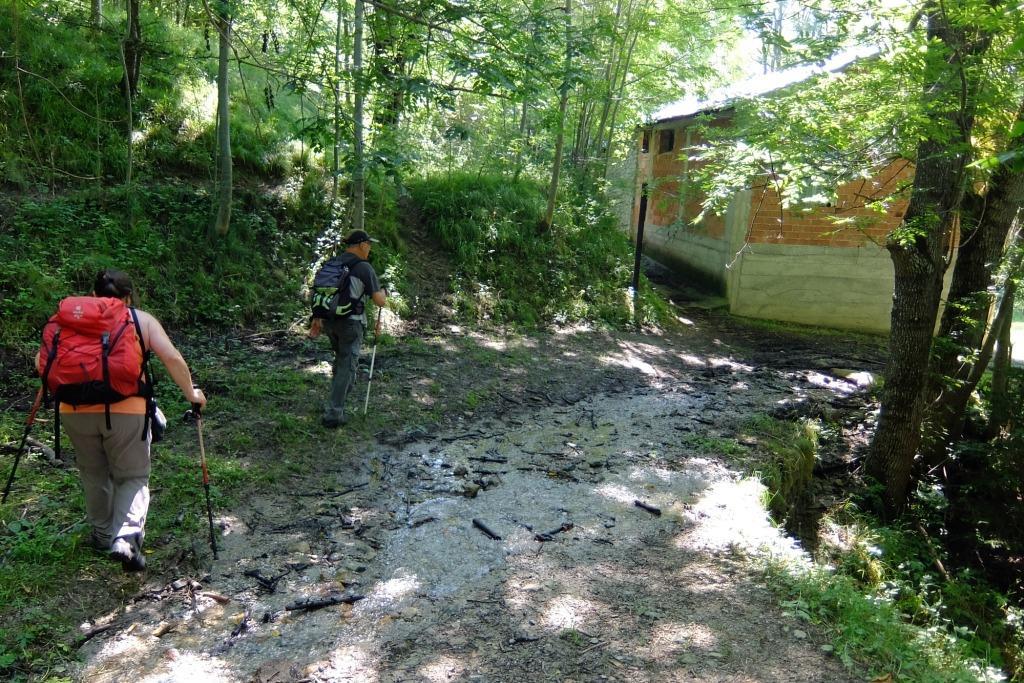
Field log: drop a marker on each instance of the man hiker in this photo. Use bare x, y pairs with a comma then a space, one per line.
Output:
93, 360
346, 325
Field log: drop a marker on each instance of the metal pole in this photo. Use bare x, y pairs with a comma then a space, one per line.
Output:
196, 411
639, 254
24, 439
373, 358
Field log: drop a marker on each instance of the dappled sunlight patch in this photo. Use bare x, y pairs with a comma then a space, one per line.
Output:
444, 668
323, 368
351, 663
393, 590
690, 359
567, 611
670, 639
732, 514
630, 361
153, 661
728, 363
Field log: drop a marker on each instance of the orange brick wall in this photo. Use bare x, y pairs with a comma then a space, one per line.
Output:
769, 224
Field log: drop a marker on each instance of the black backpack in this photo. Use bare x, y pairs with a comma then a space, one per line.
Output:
332, 290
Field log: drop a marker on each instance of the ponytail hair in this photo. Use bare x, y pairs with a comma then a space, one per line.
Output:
113, 283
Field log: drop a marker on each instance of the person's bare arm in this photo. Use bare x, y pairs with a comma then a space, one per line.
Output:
160, 344
380, 298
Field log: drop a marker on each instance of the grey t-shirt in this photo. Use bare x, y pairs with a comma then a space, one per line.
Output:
363, 283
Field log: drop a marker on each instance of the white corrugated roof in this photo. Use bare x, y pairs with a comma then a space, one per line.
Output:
756, 86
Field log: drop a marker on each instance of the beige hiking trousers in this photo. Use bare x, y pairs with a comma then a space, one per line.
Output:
114, 468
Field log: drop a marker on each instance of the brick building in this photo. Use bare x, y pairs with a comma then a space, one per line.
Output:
768, 261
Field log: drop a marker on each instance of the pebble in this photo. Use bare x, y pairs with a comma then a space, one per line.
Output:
800, 635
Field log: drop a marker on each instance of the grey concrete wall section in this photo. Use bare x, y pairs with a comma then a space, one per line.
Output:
844, 288
689, 253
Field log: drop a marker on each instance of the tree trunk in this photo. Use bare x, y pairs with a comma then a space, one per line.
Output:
132, 49
96, 17
999, 418
358, 174
223, 222
966, 320
917, 249
556, 166
337, 105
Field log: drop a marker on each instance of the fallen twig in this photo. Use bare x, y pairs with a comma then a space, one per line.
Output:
650, 508
91, 633
269, 585
216, 597
550, 535
317, 603
482, 526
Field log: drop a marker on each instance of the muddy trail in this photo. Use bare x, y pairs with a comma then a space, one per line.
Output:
588, 518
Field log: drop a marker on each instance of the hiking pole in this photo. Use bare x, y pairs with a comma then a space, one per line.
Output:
373, 357
24, 440
197, 413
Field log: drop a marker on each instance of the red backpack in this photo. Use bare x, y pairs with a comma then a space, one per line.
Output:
93, 353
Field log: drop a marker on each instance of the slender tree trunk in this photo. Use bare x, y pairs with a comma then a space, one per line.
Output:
358, 175
1001, 411
917, 249
97, 25
522, 141
224, 170
132, 49
556, 166
337, 105
129, 92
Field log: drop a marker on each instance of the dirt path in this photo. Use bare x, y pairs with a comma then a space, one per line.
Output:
568, 433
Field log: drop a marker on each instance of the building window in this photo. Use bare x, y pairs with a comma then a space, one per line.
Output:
666, 140
645, 144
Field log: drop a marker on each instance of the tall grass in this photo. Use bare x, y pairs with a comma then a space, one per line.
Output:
510, 270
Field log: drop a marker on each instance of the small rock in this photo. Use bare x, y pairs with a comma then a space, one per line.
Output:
299, 548
469, 490
827, 648
799, 635
460, 471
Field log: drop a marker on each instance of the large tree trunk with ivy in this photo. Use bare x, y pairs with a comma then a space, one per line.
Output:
224, 189
965, 340
918, 250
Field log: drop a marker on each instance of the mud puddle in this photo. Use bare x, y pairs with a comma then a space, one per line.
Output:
578, 540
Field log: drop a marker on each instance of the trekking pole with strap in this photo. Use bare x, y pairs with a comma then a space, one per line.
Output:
24, 439
373, 358
198, 415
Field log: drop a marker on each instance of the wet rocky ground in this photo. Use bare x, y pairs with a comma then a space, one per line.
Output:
583, 512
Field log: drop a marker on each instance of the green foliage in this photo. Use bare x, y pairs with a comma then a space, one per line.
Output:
869, 629
508, 269
792, 452
181, 274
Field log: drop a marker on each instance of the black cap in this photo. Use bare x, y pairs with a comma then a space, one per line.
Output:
357, 237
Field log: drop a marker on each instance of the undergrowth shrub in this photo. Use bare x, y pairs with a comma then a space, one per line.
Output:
510, 270
182, 274
792, 452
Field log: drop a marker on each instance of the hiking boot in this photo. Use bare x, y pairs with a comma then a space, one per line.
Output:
333, 422
96, 542
128, 551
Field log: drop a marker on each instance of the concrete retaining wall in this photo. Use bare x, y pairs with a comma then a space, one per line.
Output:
844, 288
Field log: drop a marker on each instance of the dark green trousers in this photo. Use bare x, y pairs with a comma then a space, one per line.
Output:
346, 337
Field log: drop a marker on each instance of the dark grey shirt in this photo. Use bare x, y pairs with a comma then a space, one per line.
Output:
363, 284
